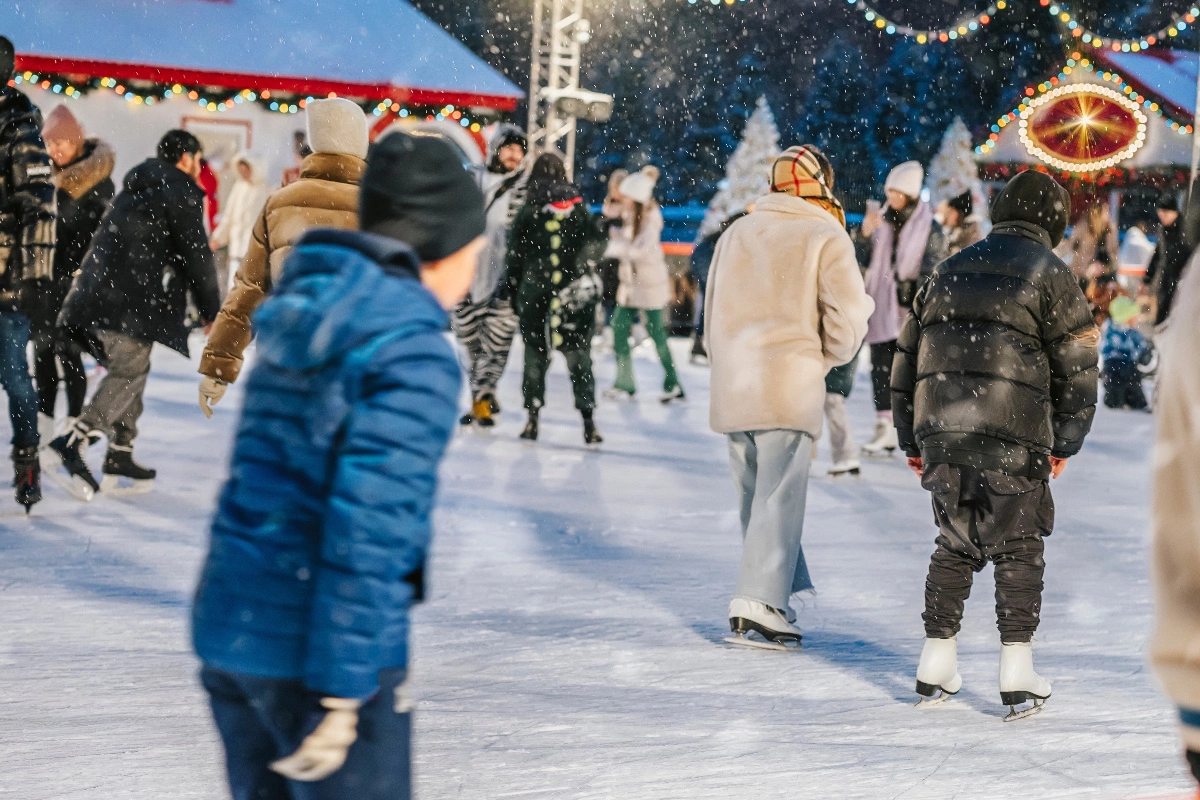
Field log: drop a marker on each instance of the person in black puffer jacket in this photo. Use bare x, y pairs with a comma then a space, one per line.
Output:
150, 253
83, 181
994, 388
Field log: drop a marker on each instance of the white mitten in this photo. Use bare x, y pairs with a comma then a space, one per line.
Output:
211, 392
324, 751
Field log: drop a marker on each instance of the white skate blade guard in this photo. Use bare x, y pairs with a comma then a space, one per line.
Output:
119, 486
72, 485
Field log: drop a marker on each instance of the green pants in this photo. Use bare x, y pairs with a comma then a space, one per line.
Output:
622, 321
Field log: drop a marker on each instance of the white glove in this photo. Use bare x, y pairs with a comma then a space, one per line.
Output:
324, 751
211, 392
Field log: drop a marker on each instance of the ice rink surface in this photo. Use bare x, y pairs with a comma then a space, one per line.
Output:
571, 644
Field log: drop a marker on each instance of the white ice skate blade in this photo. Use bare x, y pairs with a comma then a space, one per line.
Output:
117, 486
741, 640
1014, 714
620, 396
52, 467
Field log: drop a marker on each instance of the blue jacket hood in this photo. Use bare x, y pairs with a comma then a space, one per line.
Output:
340, 290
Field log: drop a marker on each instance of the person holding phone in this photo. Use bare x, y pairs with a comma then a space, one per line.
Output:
905, 246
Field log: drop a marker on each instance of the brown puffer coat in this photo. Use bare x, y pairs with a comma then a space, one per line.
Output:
326, 196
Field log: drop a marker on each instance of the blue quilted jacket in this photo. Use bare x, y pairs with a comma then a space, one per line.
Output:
322, 529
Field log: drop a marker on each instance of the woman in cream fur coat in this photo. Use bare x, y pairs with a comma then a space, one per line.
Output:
785, 305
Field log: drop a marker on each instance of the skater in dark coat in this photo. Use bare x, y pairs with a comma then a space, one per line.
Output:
321, 533
27, 231
552, 248
150, 253
1171, 255
83, 180
994, 388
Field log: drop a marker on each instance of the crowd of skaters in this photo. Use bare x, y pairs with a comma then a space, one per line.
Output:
319, 541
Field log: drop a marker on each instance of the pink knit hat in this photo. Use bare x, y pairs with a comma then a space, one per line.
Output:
62, 125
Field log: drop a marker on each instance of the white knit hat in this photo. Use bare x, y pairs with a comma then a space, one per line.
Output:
639, 187
337, 126
906, 178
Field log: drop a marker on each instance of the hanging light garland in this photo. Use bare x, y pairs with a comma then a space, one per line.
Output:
218, 102
1129, 98
1090, 39
924, 36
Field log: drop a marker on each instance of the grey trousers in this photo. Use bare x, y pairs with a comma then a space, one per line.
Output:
117, 404
770, 471
841, 438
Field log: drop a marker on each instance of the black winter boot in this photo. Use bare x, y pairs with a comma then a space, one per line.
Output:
590, 434
27, 476
530, 434
123, 475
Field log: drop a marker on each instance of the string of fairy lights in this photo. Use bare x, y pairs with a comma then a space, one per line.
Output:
971, 25
217, 101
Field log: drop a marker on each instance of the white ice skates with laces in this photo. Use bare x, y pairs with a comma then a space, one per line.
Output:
1019, 683
937, 674
771, 624
885, 441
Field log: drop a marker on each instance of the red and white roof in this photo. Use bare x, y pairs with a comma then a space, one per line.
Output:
356, 48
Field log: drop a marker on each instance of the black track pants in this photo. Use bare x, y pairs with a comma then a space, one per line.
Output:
987, 516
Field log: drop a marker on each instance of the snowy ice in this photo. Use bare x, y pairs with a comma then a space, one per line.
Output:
571, 644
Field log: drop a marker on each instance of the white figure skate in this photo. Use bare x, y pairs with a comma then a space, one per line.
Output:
1019, 684
771, 624
885, 441
937, 674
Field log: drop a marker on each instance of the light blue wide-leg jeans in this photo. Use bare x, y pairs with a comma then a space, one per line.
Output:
770, 471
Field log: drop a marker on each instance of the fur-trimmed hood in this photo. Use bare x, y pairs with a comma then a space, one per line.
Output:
94, 165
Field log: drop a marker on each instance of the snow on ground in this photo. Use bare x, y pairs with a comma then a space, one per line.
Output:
571, 645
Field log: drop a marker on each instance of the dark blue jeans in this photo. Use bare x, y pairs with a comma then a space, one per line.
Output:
14, 376
264, 719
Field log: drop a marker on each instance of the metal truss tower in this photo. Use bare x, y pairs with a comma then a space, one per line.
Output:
559, 32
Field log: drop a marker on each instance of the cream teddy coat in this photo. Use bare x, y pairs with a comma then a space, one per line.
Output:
785, 305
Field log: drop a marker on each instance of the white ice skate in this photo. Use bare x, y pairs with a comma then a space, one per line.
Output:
885, 441
1019, 683
937, 674
849, 467
771, 624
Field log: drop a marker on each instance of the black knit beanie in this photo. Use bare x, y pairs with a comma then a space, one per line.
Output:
1168, 201
415, 189
7, 60
1037, 199
962, 203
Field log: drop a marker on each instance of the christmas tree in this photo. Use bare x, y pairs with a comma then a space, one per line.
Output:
748, 176
954, 171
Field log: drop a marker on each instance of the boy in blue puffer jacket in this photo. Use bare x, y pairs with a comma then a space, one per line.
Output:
319, 541
1122, 349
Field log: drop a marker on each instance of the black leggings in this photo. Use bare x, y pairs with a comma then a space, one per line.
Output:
48, 352
882, 355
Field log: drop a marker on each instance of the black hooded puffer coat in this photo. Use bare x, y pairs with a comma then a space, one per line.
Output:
997, 363
148, 255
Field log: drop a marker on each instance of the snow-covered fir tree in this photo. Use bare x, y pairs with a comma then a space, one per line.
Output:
748, 176
953, 170
835, 118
